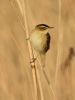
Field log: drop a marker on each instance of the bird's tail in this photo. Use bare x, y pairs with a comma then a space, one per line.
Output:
43, 60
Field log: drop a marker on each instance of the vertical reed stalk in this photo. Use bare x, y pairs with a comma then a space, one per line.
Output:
60, 43
30, 50
24, 13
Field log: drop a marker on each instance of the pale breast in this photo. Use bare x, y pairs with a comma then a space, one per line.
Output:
40, 41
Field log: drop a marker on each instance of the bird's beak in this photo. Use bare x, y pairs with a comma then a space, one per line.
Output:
51, 27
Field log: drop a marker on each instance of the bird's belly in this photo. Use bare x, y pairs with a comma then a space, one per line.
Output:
38, 41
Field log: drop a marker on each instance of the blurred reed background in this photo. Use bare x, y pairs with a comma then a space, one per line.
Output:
16, 80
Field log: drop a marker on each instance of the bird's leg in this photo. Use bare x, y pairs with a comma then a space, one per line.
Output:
32, 60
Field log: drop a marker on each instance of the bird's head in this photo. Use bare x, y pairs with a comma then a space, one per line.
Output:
43, 27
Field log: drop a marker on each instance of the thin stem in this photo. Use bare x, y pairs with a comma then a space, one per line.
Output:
30, 50
60, 45
29, 46
47, 79
20, 6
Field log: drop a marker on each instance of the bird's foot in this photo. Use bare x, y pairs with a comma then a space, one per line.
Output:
32, 60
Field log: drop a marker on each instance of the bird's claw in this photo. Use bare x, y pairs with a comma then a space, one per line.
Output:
32, 60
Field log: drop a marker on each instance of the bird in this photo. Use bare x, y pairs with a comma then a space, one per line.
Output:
40, 40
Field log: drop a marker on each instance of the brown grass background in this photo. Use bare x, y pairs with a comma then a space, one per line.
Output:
16, 82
